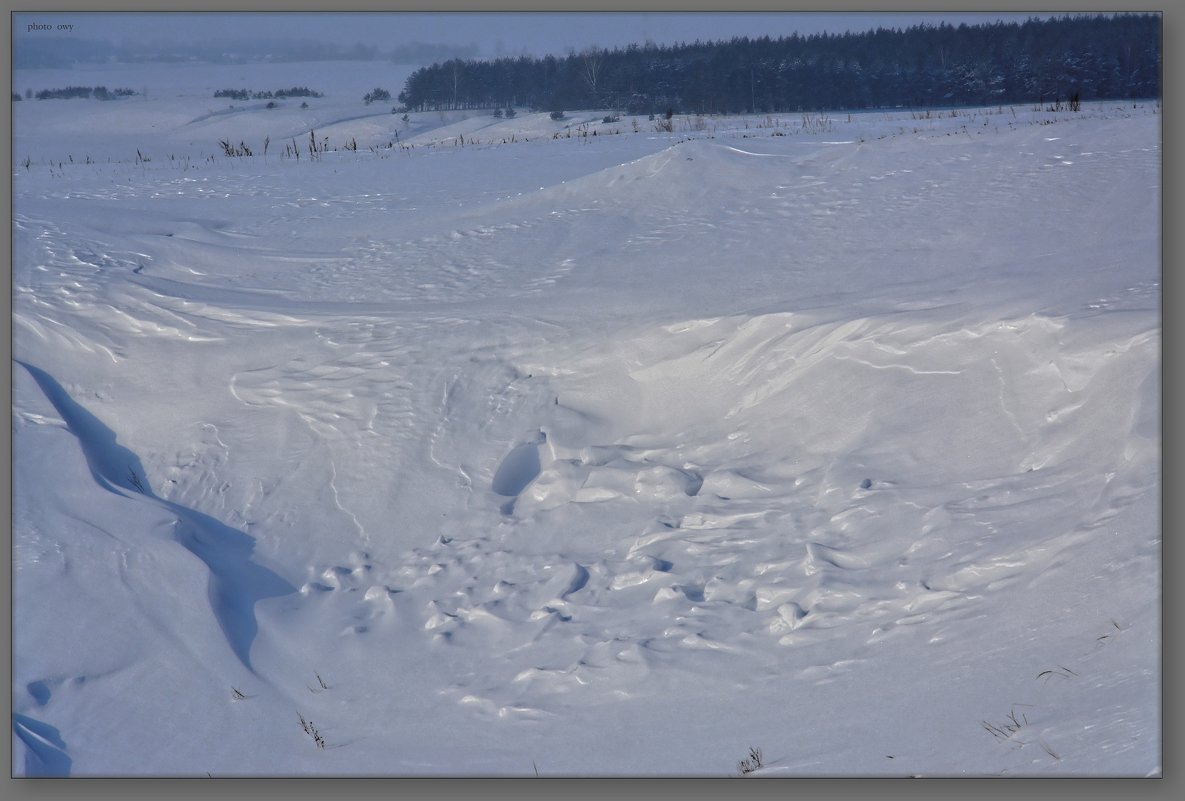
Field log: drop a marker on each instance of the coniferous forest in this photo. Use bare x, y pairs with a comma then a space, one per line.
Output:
1099, 57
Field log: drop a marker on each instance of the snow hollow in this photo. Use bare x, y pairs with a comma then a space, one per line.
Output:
474, 446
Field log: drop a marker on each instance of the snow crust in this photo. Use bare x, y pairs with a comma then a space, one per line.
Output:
512, 448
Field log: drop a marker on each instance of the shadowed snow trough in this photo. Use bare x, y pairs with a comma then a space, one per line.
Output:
517, 470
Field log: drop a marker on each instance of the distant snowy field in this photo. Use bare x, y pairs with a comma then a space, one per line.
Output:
496, 447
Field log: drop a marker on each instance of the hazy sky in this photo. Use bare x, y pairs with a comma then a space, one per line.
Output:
502, 33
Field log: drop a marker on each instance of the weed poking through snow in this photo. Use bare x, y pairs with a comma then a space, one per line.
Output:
750, 763
1012, 724
1061, 672
311, 730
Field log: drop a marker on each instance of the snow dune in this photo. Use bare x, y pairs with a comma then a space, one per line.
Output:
765, 433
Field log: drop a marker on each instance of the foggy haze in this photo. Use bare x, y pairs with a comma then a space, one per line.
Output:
409, 37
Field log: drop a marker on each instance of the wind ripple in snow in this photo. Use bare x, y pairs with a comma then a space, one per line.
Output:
812, 531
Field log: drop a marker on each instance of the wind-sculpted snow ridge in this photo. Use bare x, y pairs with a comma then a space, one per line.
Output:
236, 582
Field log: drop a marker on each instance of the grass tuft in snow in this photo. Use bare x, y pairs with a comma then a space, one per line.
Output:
1045, 747
750, 763
1005, 731
311, 731
232, 151
1102, 638
1061, 672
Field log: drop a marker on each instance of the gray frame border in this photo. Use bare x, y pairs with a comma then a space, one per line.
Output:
290, 788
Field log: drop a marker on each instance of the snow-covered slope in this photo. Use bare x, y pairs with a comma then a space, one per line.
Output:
512, 447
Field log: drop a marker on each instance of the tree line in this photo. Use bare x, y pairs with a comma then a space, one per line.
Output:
1098, 57
279, 94
74, 92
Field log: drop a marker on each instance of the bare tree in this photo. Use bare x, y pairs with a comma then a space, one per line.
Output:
458, 68
593, 58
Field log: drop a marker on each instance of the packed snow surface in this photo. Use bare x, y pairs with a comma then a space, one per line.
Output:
495, 446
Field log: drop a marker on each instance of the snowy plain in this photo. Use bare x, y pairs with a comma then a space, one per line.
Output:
580, 448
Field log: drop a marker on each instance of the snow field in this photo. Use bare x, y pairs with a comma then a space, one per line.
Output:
840, 442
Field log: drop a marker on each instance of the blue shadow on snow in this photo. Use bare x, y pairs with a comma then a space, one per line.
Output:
45, 753
236, 583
